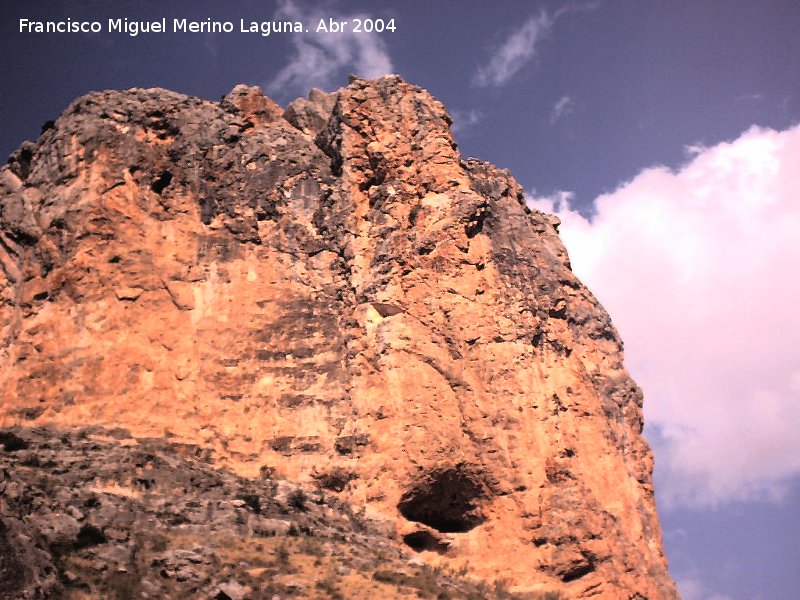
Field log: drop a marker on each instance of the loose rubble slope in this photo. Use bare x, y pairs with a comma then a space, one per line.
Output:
95, 514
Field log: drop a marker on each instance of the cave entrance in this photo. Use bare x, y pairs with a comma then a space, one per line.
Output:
420, 541
447, 500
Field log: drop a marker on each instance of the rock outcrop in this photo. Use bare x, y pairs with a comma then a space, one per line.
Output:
332, 294
94, 513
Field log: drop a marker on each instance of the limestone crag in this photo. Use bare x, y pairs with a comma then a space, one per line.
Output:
330, 292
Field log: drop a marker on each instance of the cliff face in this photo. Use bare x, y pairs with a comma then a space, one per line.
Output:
331, 293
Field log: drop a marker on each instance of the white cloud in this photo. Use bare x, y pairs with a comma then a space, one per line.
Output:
210, 44
464, 119
561, 108
700, 271
690, 589
694, 589
515, 53
323, 59
520, 47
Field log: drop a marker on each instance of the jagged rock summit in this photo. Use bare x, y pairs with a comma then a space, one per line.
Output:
329, 293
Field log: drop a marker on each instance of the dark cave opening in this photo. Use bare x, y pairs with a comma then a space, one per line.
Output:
160, 184
447, 500
420, 541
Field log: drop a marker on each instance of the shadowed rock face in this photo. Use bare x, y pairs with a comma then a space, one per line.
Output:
332, 293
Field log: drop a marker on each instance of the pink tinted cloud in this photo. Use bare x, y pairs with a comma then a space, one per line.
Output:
700, 271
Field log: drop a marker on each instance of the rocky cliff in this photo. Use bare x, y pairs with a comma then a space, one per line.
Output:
331, 294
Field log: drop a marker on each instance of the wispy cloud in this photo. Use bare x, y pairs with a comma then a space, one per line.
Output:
561, 108
322, 59
464, 119
210, 44
521, 45
692, 588
757, 97
698, 269
515, 53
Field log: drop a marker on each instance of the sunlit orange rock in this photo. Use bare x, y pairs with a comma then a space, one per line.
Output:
333, 293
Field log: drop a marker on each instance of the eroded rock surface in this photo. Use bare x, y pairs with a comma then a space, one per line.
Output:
332, 293
93, 513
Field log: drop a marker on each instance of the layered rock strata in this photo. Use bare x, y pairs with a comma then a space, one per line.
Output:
331, 292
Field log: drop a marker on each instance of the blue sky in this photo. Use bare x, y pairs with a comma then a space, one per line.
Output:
673, 125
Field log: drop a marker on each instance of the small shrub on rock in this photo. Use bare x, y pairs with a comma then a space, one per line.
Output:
298, 500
